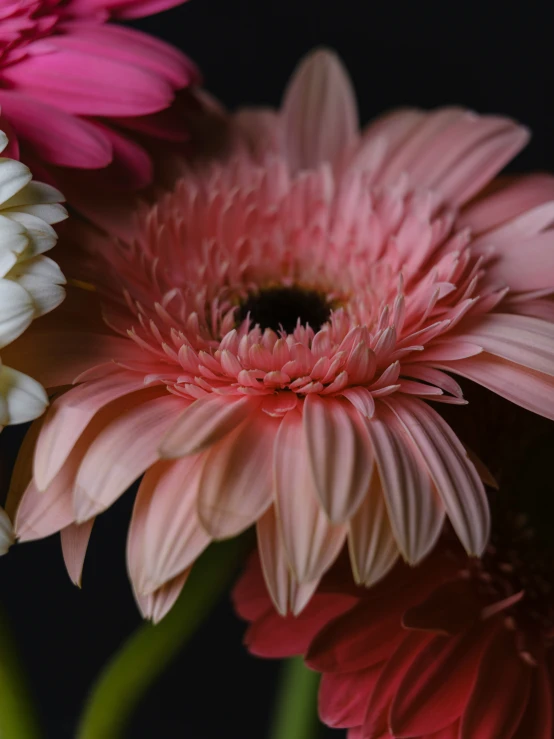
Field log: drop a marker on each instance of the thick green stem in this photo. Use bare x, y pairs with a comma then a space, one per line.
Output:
17, 717
295, 714
141, 660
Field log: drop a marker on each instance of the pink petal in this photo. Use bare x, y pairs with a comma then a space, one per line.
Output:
236, 484
435, 688
520, 339
156, 605
498, 712
340, 455
76, 352
362, 637
455, 477
320, 90
538, 721
89, 84
55, 136
43, 513
133, 8
371, 543
415, 512
378, 707
204, 422
311, 541
525, 267
455, 152
520, 385
131, 165
284, 591
119, 455
165, 534
128, 46
513, 197
75, 538
343, 697
70, 414
272, 636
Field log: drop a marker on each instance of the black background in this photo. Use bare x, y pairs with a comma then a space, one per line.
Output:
489, 56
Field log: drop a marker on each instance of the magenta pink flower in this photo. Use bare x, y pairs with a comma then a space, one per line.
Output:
263, 343
452, 649
73, 87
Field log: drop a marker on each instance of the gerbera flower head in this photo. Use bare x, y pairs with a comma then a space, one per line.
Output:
73, 88
276, 326
31, 285
454, 648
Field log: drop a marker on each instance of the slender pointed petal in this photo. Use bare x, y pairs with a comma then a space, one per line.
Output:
319, 91
165, 534
311, 541
236, 483
75, 538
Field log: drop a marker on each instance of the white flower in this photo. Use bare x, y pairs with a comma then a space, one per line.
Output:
31, 285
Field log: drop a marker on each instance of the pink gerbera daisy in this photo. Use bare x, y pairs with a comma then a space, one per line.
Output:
263, 342
73, 87
456, 648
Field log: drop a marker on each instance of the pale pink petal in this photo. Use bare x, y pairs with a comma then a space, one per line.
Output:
454, 475
415, 511
70, 414
76, 352
158, 604
519, 339
43, 513
340, 454
525, 266
165, 536
122, 451
75, 538
319, 91
285, 592
514, 197
311, 541
523, 386
236, 484
455, 152
371, 542
204, 422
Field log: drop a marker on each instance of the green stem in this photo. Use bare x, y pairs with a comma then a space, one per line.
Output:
146, 654
17, 717
295, 714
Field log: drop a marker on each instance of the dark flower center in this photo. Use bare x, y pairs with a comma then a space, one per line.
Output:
284, 307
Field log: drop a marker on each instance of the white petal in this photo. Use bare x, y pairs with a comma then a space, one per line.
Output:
40, 235
35, 193
17, 310
25, 398
7, 537
13, 178
49, 213
42, 279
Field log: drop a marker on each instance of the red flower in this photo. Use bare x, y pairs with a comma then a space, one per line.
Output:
456, 648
